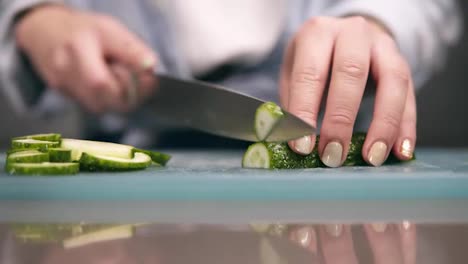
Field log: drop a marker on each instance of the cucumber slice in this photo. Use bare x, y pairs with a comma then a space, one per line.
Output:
105, 149
29, 143
93, 162
156, 157
60, 155
44, 168
28, 156
266, 117
45, 137
11, 151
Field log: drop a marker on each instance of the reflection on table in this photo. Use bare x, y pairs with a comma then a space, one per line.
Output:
257, 243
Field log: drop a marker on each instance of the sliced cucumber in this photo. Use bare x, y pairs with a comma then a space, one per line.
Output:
105, 149
28, 156
266, 117
156, 157
93, 162
29, 143
60, 155
45, 137
44, 168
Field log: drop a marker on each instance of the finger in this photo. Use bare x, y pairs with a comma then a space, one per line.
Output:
384, 242
306, 237
392, 75
405, 143
124, 78
125, 47
91, 78
313, 51
337, 244
408, 242
286, 68
349, 76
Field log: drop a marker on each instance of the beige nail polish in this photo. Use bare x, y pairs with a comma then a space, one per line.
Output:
303, 145
334, 230
147, 63
406, 225
379, 227
332, 154
406, 149
304, 236
378, 153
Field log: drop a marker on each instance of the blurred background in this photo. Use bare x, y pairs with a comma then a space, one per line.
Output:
442, 107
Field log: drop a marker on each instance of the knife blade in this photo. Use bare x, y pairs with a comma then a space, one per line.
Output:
216, 110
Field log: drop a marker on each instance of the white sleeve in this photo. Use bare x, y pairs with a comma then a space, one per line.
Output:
18, 81
423, 29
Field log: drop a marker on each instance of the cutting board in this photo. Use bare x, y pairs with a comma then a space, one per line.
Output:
210, 185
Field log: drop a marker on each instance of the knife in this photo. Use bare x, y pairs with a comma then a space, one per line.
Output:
216, 110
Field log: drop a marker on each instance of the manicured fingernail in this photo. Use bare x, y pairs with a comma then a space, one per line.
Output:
332, 154
304, 236
377, 153
148, 63
334, 230
303, 145
406, 225
406, 149
379, 227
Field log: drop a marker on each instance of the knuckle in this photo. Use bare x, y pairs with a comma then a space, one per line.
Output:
358, 21
352, 68
401, 74
318, 21
342, 115
309, 76
97, 82
391, 120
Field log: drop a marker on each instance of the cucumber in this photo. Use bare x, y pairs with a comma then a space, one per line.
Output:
29, 143
277, 156
43, 168
28, 156
11, 151
45, 137
280, 156
60, 155
266, 117
93, 162
156, 157
105, 149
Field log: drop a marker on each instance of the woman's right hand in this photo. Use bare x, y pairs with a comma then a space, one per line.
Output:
90, 57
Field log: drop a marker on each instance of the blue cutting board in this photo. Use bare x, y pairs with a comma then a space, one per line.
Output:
214, 176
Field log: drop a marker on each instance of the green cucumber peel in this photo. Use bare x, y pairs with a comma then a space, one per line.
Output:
156, 157
43, 168
92, 162
28, 156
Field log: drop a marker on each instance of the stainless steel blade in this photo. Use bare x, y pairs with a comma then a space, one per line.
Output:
216, 110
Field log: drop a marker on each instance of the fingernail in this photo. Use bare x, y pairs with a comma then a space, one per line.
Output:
406, 225
304, 236
377, 153
332, 154
379, 227
303, 145
406, 149
147, 63
334, 230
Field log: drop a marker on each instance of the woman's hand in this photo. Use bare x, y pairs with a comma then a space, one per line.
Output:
348, 50
89, 57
